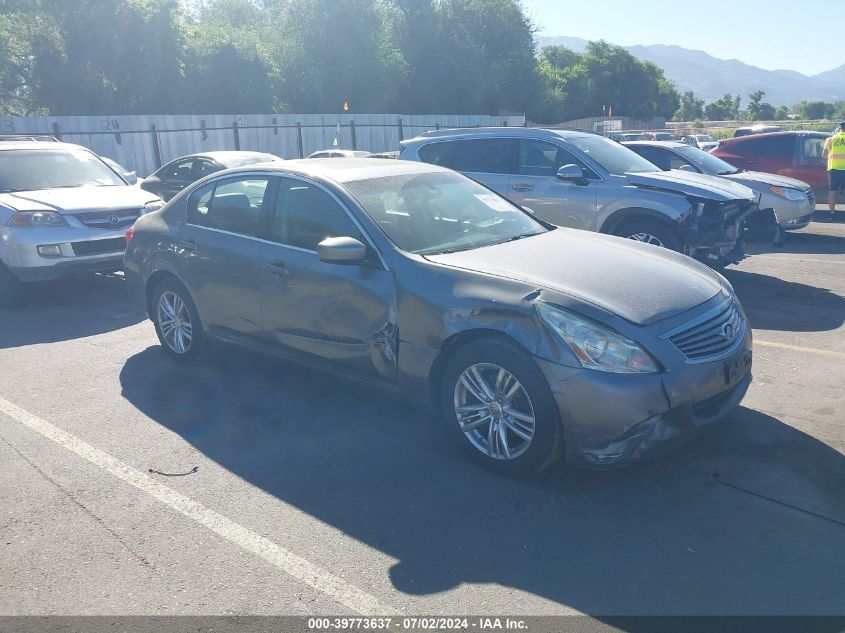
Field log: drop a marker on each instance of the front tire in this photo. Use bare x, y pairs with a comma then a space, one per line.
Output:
497, 405
651, 232
177, 321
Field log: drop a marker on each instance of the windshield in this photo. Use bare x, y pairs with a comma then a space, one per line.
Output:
441, 212
613, 157
706, 162
705, 138
31, 170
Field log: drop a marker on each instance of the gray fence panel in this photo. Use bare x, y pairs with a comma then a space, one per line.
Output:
129, 140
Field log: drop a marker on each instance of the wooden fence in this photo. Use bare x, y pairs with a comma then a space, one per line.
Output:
144, 143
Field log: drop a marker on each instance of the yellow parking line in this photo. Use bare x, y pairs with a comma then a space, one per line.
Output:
799, 348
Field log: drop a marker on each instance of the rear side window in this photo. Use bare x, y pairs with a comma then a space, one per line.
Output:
442, 154
539, 158
486, 156
232, 205
812, 150
766, 145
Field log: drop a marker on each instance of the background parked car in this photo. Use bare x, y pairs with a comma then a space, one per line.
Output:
792, 200
701, 141
179, 173
587, 181
62, 211
128, 175
534, 342
756, 129
659, 136
794, 154
339, 153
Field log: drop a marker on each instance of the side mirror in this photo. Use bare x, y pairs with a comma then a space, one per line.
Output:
688, 167
570, 172
131, 177
341, 250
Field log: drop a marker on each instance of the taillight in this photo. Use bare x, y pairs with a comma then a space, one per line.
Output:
129, 233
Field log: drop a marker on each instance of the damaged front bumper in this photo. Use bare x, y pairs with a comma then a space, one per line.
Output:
713, 231
611, 420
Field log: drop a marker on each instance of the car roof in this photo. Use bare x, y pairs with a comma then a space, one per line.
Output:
752, 137
37, 145
343, 170
517, 132
223, 156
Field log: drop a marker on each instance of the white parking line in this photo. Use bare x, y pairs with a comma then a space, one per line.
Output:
800, 258
799, 348
304, 571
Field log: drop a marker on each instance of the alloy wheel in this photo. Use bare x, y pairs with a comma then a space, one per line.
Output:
494, 411
648, 238
174, 321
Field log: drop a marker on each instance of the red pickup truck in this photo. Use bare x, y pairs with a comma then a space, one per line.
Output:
794, 154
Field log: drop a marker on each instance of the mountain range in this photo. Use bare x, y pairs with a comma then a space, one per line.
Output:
710, 78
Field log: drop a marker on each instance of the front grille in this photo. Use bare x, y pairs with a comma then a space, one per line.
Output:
710, 334
99, 247
119, 219
811, 196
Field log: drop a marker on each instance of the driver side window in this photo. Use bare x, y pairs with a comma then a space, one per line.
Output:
539, 158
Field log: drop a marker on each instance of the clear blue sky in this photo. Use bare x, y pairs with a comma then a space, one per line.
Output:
773, 34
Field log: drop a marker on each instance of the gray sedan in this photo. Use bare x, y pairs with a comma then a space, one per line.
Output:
793, 201
533, 342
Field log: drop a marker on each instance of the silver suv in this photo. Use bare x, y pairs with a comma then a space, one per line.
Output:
62, 210
587, 181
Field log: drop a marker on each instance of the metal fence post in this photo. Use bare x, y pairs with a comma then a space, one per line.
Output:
299, 139
236, 135
156, 148
399, 125
352, 132
56, 132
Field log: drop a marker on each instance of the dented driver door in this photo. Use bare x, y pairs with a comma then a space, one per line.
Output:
339, 315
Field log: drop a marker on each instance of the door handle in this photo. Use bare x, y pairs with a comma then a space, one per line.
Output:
277, 268
189, 244
522, 187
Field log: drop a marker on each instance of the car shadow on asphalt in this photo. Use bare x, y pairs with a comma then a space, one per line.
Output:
67, 309
748, 519
773, 303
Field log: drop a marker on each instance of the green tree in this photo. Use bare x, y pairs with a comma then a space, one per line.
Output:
465, 56
116, 56
759, 110
724, 109
333, 52
229, 66
780, 113
604, 78
691, 108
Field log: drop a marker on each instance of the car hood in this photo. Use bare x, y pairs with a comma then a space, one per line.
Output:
692, 184
76, 199
640, 283
752, 178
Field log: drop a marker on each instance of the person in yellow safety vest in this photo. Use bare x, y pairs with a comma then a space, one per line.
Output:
834, 152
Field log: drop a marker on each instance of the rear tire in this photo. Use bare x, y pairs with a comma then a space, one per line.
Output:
177, 321
498, 406
651, 232
11, 288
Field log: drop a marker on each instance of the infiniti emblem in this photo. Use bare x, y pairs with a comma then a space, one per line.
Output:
113, 219
727, 331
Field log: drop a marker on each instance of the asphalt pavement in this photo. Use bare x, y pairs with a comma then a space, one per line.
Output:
245, 485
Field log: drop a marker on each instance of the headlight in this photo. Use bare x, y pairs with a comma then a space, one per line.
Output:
152, 206
595, 346
789, 194
27, 219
